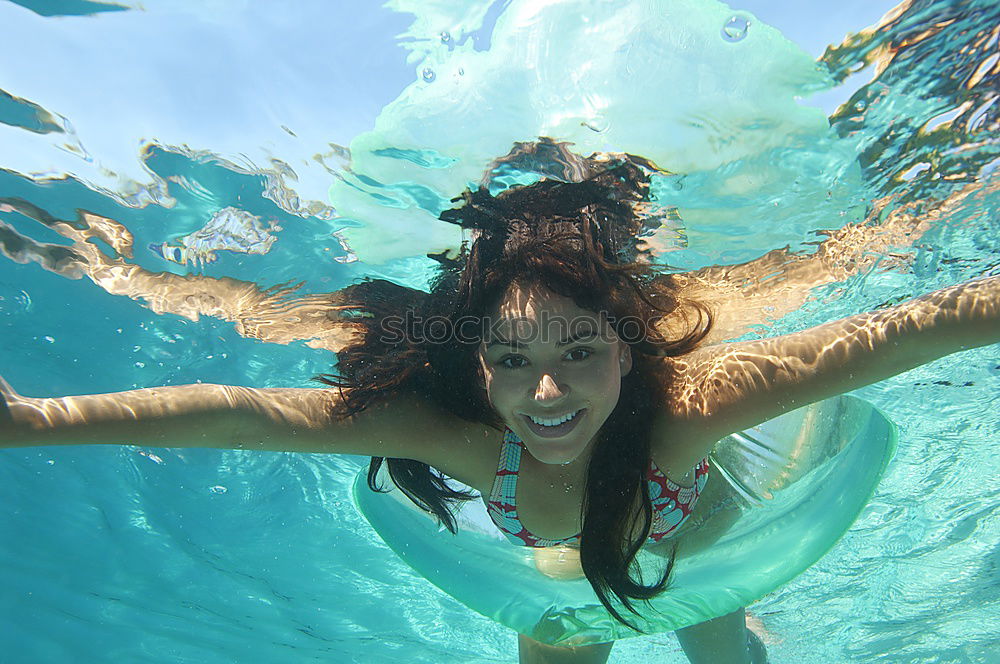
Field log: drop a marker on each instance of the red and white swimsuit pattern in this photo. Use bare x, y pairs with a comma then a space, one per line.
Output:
672, 503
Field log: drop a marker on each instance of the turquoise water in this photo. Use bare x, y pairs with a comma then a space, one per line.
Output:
226, 156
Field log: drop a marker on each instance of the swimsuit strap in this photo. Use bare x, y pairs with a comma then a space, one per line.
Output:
501, 506
672, 503
505, 482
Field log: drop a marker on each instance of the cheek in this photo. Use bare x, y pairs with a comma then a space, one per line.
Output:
611, 386
610, 394
605, 374
494, 390
500, 395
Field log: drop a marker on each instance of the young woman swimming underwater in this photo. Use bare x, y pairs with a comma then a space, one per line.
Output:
555, 370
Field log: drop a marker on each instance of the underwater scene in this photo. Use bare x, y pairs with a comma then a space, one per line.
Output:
185, 185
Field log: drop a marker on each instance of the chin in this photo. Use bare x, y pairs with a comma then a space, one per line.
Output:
559, 460
555, 454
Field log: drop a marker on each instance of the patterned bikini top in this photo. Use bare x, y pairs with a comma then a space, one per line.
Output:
672, 503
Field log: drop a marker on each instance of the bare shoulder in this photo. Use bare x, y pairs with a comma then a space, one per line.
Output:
720, 389
410, 426
678, 445
694, 417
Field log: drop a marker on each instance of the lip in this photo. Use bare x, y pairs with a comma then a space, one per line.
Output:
557, 431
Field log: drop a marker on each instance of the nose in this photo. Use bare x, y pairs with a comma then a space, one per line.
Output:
548, 390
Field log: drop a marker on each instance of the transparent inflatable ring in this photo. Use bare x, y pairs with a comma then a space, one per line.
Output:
779, 497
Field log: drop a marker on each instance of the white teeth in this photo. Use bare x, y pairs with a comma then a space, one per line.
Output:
554, 422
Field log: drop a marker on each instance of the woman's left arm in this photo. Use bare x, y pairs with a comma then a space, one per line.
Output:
730, 387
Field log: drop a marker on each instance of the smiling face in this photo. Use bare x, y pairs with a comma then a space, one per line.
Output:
545, 360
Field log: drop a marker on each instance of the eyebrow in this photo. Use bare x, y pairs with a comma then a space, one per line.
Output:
579, 336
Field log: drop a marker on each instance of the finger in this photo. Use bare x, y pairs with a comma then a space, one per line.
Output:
5, 387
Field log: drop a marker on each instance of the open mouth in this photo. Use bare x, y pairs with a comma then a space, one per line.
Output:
553, 428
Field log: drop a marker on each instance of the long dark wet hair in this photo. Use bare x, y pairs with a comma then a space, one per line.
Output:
575, 232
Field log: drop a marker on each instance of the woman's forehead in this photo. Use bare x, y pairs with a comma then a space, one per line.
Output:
536, 314
521, 303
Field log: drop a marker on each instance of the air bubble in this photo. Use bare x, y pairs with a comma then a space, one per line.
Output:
598, 124
428, 74
735, 29
218, 489
445, 37
13, 301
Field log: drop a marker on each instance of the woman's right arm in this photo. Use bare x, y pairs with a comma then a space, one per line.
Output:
224, 416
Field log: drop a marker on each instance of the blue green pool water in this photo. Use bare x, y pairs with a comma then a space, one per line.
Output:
342, 133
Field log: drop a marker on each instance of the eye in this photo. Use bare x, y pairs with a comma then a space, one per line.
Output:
576, 351
506, 362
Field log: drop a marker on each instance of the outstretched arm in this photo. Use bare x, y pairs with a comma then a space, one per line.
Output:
752, 295
730, 387
201, 415
224, 416
274, 315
